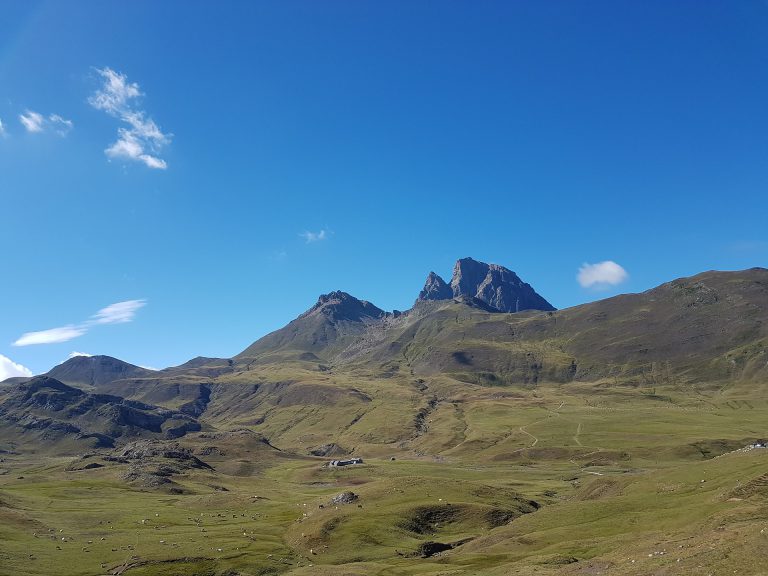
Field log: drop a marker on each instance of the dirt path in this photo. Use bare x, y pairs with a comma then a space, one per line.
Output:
576, 436
523, 430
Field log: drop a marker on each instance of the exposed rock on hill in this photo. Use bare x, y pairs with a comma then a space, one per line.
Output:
153, 464
435, 288
340, 306
345, 498
496, 286
143, 450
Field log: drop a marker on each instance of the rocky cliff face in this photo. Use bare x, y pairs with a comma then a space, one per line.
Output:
435, 288
495, 285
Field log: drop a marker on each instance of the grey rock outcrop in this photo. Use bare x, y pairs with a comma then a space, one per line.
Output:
435, 288
496, 286
345, 498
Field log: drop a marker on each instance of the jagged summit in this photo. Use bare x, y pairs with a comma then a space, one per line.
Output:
435, 288
339, 305
495, 285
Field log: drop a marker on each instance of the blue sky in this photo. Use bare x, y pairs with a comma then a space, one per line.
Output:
211, 168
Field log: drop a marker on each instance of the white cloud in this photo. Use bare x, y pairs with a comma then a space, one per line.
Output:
76, 354
310, 237
32, 121
52, 336
9, 369
2, 128
119, 312
149, 368
142, 140
60, 125
35, 122
601, 275
129, 147
115, 93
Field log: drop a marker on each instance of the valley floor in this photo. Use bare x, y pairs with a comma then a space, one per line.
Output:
543, 483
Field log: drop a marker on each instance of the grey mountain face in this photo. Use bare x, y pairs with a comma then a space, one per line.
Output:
435, 288
495, 285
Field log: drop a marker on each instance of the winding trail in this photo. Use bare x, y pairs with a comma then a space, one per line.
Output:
523, 430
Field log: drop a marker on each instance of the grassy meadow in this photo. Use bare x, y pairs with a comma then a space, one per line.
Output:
579, 479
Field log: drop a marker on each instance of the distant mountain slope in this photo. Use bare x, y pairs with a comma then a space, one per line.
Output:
497, 286
328, 326
347, 373
96, 371
50, 412
338, 319
712, 326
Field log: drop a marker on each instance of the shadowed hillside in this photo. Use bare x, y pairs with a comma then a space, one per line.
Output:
94, 371
53, 415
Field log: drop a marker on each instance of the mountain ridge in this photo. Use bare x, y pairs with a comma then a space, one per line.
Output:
617, 335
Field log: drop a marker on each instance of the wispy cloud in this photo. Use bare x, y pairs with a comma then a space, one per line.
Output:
310, 237
117, 313
601, 275
34, 122
60, 125
52, 336
2, 129
75, 354
142, 140
9, 369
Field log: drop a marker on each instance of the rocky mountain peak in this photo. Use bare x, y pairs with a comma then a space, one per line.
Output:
495, 285
339, 305
435, 288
